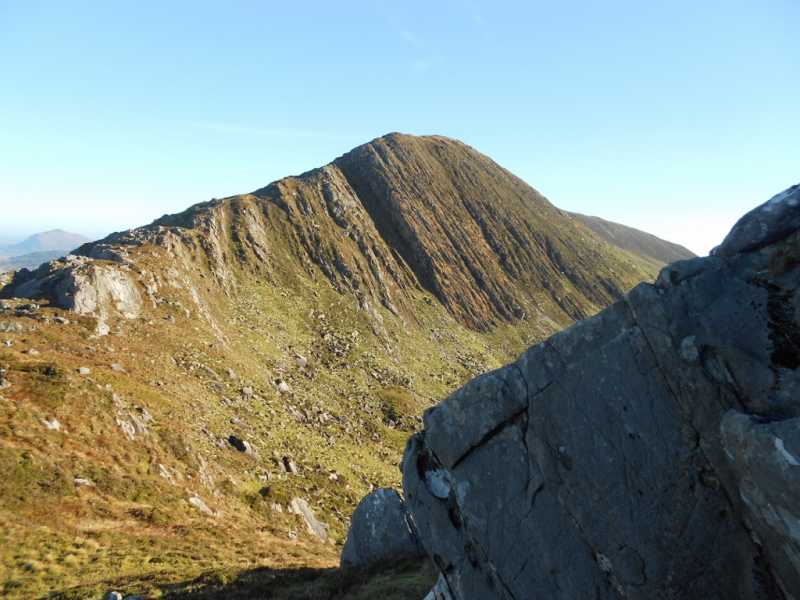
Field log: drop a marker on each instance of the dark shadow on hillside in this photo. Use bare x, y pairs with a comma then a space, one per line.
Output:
396, 581
400, 580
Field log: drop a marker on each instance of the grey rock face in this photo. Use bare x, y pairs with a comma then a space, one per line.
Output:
380, 530
81, 285
765, 455
773, 220
652, 451
440, 591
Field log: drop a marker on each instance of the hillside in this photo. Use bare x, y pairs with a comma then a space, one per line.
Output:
180, 397
657, 251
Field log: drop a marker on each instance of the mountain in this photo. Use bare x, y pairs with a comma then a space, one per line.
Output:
56, 240
659, 252
216, 391
406, 213
650, 451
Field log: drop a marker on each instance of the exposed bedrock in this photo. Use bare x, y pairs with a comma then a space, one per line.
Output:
82, 285
380, 531
652, 451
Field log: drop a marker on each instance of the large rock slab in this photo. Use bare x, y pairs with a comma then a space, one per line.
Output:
380, 530
765, 455
777, 217
648, 452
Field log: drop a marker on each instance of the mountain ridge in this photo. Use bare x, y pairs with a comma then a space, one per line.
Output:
642, 243
403, 211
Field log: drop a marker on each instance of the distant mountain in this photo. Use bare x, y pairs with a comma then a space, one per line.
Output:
28, 261
38, 248
56, 240
660, 252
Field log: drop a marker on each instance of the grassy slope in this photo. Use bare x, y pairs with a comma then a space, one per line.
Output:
349, 414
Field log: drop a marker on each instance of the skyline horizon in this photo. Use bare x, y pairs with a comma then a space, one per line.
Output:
10, 235
674, 119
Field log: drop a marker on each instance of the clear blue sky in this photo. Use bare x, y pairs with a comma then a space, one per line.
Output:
672, 116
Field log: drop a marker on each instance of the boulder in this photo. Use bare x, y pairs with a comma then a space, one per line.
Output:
380, 530
775, 219
200, 505
240, 444
651, 451
50, 424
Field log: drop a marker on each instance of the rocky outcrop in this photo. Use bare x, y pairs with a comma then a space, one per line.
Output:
380, 530
651, 451
85, 286
298, 506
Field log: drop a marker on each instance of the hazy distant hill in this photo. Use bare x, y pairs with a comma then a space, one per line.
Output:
38, 248
28, 261
56, 240
633, 240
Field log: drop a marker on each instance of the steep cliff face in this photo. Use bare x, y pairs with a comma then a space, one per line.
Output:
490, 247
651, 451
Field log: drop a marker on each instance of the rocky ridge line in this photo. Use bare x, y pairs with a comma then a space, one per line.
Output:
399, 215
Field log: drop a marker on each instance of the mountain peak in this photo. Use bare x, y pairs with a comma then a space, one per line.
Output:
403, 214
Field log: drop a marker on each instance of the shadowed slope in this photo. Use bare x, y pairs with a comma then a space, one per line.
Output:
490, 247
